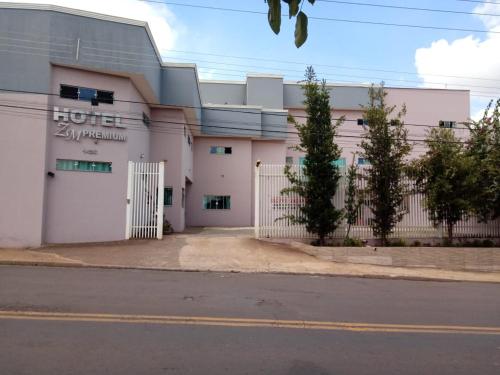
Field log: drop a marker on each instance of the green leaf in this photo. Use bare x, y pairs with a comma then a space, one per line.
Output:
300, 29
293, 7
274, 15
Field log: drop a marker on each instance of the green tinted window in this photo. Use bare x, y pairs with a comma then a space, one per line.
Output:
167, 196
340, 162
83, 166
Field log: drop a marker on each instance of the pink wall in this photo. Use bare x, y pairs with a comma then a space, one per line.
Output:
22, 169
169, 144
89, 206
221, 175
424, 107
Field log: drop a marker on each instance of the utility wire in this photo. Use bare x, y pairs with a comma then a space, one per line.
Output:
479, 1
325, 65
476, 93
142, 55
409, 8
206, 108
46, 110
341, 20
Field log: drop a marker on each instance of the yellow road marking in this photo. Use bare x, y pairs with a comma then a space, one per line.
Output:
244, 322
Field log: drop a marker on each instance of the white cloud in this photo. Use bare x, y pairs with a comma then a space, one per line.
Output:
161, 20
466, 63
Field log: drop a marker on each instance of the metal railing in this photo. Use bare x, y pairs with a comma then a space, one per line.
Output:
272, 208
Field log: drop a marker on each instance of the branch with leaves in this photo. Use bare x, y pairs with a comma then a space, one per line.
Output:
294, 10
483, 147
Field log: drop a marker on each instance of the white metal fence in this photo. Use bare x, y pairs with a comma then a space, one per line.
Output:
271, 206
145, 200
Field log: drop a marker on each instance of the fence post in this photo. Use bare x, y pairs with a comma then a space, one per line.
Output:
128, 220
257, 200
159, 215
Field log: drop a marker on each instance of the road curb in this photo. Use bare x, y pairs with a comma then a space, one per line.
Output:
317, 274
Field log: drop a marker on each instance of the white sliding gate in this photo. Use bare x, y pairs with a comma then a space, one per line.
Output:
272, 208
145, 200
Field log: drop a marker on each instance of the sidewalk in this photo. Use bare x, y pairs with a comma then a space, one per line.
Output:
229, 250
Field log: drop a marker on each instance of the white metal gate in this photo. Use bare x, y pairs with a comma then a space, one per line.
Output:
145, 200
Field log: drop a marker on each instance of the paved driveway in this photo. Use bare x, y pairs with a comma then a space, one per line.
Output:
218, 249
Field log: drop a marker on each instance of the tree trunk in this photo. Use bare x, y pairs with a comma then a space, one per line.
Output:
348, 231
384, 240
450, 232
321, 240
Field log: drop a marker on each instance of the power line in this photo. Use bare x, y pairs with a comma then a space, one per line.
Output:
480, 1
341, 20
46, 110
476, 93
409, 8
138, 61
231, 110
326, 65
327, 75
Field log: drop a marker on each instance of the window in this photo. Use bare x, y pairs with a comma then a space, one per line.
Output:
68, 92
83, 166
363, 161
301, 160
448, 124
340, 162
362, 122
289, 160
219, 150
216, 202
86, 94
167, 196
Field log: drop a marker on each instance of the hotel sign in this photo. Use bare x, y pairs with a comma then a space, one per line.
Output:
105, 126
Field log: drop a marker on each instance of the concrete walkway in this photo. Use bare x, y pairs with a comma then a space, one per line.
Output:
226, 250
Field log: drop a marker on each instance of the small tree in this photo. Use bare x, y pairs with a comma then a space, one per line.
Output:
353, 200
446, 178
320, 176
484, 149
385, 146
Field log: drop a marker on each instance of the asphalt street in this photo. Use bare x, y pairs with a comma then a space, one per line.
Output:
96, 321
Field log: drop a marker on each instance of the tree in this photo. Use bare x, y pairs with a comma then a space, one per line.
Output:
385, 147
317, 182
352, 201
445, 177
483, 147
294, 10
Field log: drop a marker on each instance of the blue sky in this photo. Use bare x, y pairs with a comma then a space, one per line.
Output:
354, 52
332, 43
350, 45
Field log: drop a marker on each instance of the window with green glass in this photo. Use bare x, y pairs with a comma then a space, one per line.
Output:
83, 166
167, 196
220, 150
340, 162
301, 160
217, 202
363, 161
